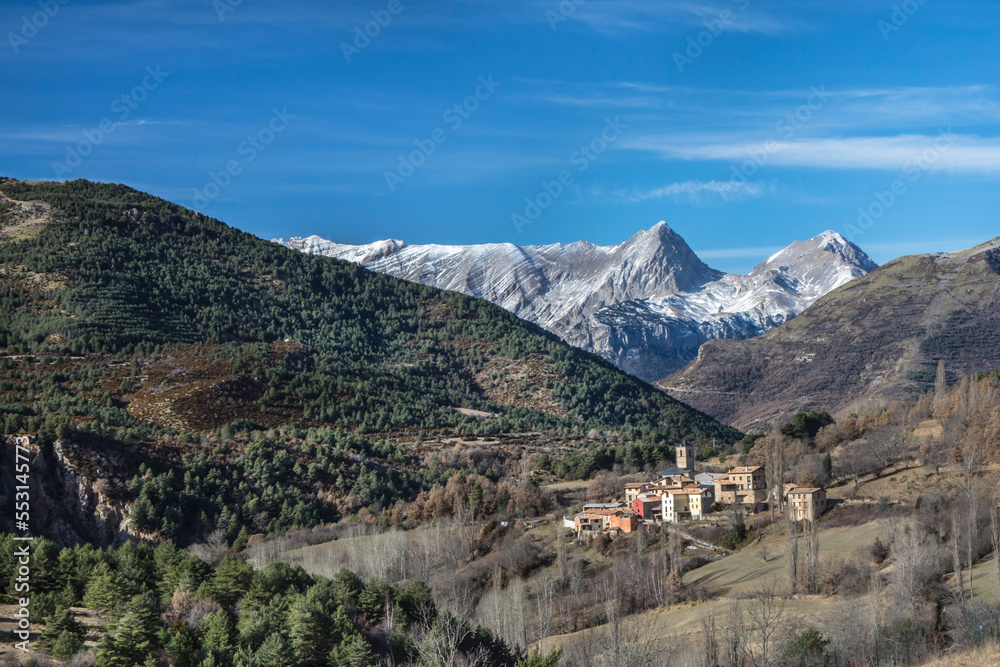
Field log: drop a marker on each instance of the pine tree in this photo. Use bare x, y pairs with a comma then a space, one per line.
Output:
218, 637
536, 659
143, 515
108, 652
133, 637
68, 569
309, 631
354, 652
372, 599
348, 586
62, 622
103, 589
274, 652
45, 566
231, 581
67, 645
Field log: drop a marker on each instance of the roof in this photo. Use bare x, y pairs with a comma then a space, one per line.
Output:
724, 480
742, 470
673, 472
804, 492
671, 478
636, 485
708, 477
648, 499
686, 491
600, 513
604, 506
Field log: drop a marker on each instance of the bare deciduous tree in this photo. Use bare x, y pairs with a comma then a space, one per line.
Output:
908, 553
812, 556
676, 549
710, 642
562, 559
792, 550
439, 647
764, 617
887, 446
855, 462
503, 610
956, 553
995, 526
734, 636
941, 382
972, 454
934, 452
875, 595
774, 471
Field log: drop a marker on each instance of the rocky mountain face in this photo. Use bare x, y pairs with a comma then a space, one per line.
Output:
879, 336
646, 305
72, 497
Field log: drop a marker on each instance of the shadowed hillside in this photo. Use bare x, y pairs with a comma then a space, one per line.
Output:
879, 336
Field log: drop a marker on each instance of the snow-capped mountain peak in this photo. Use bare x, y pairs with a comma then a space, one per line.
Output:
819, 265
359, 254
646, 304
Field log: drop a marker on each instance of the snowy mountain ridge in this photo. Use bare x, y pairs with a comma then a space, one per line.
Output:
646, 304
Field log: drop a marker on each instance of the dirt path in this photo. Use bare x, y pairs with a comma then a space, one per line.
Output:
28, 213
9, 655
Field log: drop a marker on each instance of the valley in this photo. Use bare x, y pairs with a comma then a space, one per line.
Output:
396, 467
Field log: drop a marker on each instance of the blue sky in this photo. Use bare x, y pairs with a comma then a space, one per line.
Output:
745, 124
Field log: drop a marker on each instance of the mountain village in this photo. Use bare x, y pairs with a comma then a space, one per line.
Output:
681, 494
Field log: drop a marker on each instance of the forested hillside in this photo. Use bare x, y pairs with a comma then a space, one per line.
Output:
119, 272
150, 354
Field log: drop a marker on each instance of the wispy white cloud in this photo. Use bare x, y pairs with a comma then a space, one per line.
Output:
66, 133
696, 191
943, 151
898, 107
677, 16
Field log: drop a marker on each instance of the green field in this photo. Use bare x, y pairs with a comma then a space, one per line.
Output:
744, 571
984, 580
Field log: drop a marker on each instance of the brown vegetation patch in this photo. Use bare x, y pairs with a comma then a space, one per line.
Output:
203, 405
193, 389
524, 384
